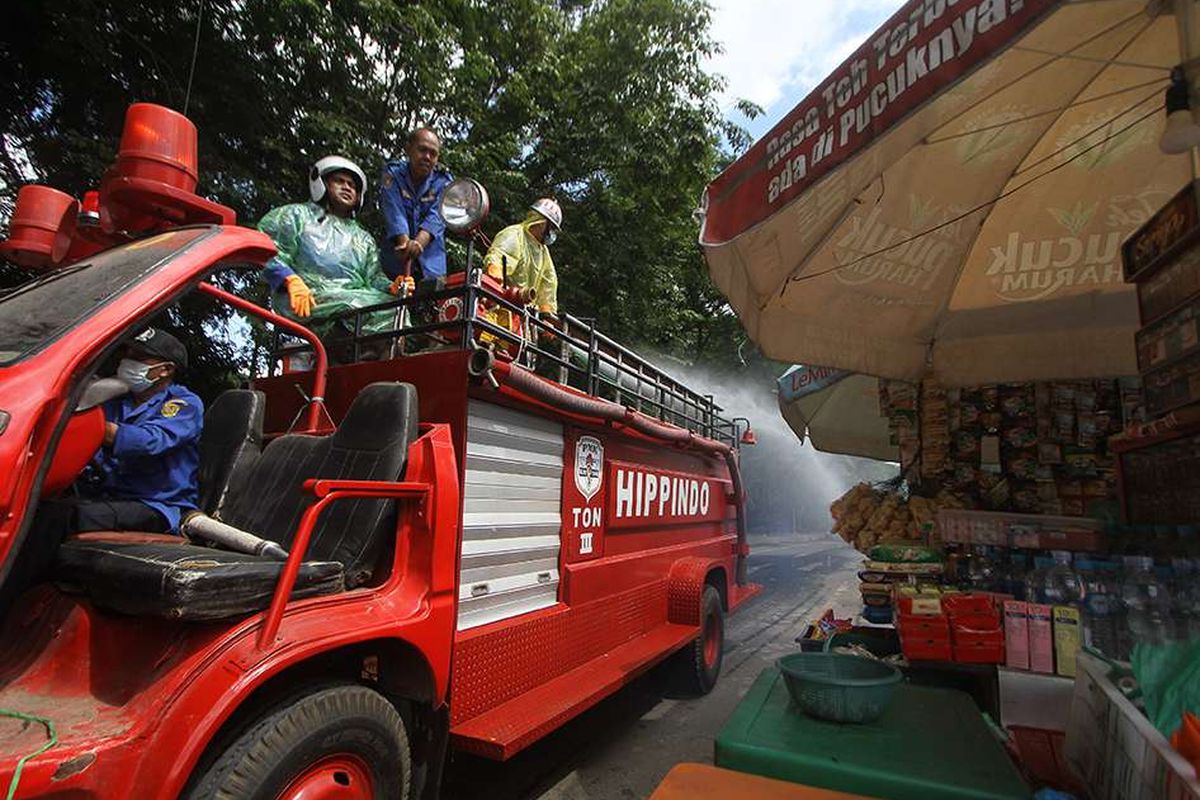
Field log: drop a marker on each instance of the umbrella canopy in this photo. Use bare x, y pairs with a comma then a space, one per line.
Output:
952, 199
837, 411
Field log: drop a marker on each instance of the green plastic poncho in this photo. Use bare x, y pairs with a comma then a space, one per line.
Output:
335, 257
529, 262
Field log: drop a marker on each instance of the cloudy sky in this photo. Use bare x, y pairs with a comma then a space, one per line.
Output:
776, 51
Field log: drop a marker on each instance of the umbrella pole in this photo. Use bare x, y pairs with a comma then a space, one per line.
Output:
1187, 23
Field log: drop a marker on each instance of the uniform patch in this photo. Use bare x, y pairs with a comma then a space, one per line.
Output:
172, 407
387, 180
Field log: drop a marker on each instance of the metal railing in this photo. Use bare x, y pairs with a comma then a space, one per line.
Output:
568, 350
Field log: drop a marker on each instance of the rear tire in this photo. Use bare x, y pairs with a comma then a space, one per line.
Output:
699, 664
345, 739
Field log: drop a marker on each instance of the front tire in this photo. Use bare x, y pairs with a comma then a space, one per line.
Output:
342, 741
699, 663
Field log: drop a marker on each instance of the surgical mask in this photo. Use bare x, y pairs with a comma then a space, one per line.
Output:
551, 235
135, 373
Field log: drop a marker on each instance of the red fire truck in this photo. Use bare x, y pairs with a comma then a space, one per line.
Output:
475, 553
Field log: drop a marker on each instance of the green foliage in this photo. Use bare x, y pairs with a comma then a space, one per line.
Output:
603, 103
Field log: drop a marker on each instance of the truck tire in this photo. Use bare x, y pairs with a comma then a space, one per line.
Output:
344, 738
699, 664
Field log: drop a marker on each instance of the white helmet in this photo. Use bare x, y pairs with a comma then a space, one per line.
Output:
549, 209
328, 164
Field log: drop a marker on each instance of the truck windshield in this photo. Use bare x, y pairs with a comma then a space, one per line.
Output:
35, 314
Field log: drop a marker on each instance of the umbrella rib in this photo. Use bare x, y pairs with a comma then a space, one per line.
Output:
1112, 62
792, 277
1084, 137
1036, 114
978, 208
1055, 57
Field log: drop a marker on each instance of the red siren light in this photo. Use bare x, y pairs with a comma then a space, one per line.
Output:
158, 144
41, 228
748, 437
152, 185
89, 209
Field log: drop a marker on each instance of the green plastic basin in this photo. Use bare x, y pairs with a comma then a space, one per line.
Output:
839, 688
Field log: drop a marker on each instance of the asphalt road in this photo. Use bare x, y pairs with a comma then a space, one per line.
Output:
621, 749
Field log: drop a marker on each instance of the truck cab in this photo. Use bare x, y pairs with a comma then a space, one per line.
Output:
476, 553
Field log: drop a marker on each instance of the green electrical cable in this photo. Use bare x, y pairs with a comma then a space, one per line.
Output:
52, 739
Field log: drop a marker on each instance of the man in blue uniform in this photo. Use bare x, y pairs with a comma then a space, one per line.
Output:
142, 478
146, 473
410, 201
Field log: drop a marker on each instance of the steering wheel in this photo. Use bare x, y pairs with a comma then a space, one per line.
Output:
83, 436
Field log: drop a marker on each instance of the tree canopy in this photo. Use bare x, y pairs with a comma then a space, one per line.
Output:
603, 103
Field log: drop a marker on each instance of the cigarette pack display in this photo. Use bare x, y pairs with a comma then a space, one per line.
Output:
1041, 638
1016, 633
1067, 636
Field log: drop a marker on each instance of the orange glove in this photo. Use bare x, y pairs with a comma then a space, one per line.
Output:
402, 280
300, 296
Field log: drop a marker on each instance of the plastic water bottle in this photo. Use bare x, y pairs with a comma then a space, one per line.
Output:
1147, 603
1185, 598
1013, 576
1101, 609
1060, 584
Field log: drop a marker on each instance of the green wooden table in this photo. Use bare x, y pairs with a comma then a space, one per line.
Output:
930, 743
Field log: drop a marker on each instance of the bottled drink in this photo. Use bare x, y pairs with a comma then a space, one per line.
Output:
981, 569
1101, 611
1013, 577
1185, 598
1060, 584
1147, 603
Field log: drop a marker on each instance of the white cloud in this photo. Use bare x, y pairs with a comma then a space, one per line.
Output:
780, 49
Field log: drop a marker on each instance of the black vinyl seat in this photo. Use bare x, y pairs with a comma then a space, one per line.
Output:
147, 575
230, 444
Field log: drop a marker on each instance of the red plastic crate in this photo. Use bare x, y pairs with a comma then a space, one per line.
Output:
968, 604
989, 654
915, 649
922, 627
975, 623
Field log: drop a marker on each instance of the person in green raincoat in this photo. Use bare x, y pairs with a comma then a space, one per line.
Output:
327, 263
523, 252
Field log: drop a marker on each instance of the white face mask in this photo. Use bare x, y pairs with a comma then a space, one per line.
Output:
550, 237
135, 373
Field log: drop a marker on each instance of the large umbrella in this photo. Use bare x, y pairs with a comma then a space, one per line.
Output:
952, 199
837, 411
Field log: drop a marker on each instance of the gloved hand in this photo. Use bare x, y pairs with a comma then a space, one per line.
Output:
402, 280
300, 296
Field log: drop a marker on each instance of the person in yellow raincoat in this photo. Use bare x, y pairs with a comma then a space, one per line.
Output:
523, 251
327, 263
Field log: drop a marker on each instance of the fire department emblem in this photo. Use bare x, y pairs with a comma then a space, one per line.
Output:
589, 466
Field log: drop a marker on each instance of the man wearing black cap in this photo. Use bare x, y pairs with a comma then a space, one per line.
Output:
145, 474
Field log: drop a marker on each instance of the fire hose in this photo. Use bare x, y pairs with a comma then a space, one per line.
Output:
198, 525
483, 365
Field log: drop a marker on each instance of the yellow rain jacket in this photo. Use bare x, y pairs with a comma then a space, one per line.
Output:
529, 263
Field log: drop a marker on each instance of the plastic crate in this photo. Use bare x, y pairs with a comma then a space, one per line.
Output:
1114, 749
968, 604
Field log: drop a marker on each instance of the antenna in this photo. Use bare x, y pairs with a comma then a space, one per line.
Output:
195, 49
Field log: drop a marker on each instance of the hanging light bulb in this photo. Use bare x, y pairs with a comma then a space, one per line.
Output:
1182, 133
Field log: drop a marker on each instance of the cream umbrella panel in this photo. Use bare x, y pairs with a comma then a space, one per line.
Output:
952, 200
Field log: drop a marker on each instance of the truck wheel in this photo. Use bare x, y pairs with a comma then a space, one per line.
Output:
340, 742
699, 663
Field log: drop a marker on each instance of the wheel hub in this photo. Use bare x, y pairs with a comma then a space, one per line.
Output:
712, 640
342, 776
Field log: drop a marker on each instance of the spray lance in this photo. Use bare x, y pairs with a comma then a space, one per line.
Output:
198, 525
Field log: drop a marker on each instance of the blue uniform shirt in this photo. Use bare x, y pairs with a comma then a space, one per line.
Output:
408, 209
155, 457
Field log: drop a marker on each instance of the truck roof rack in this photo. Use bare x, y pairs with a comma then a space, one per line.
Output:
574, 353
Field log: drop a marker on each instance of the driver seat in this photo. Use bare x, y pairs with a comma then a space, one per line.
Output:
145, 575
